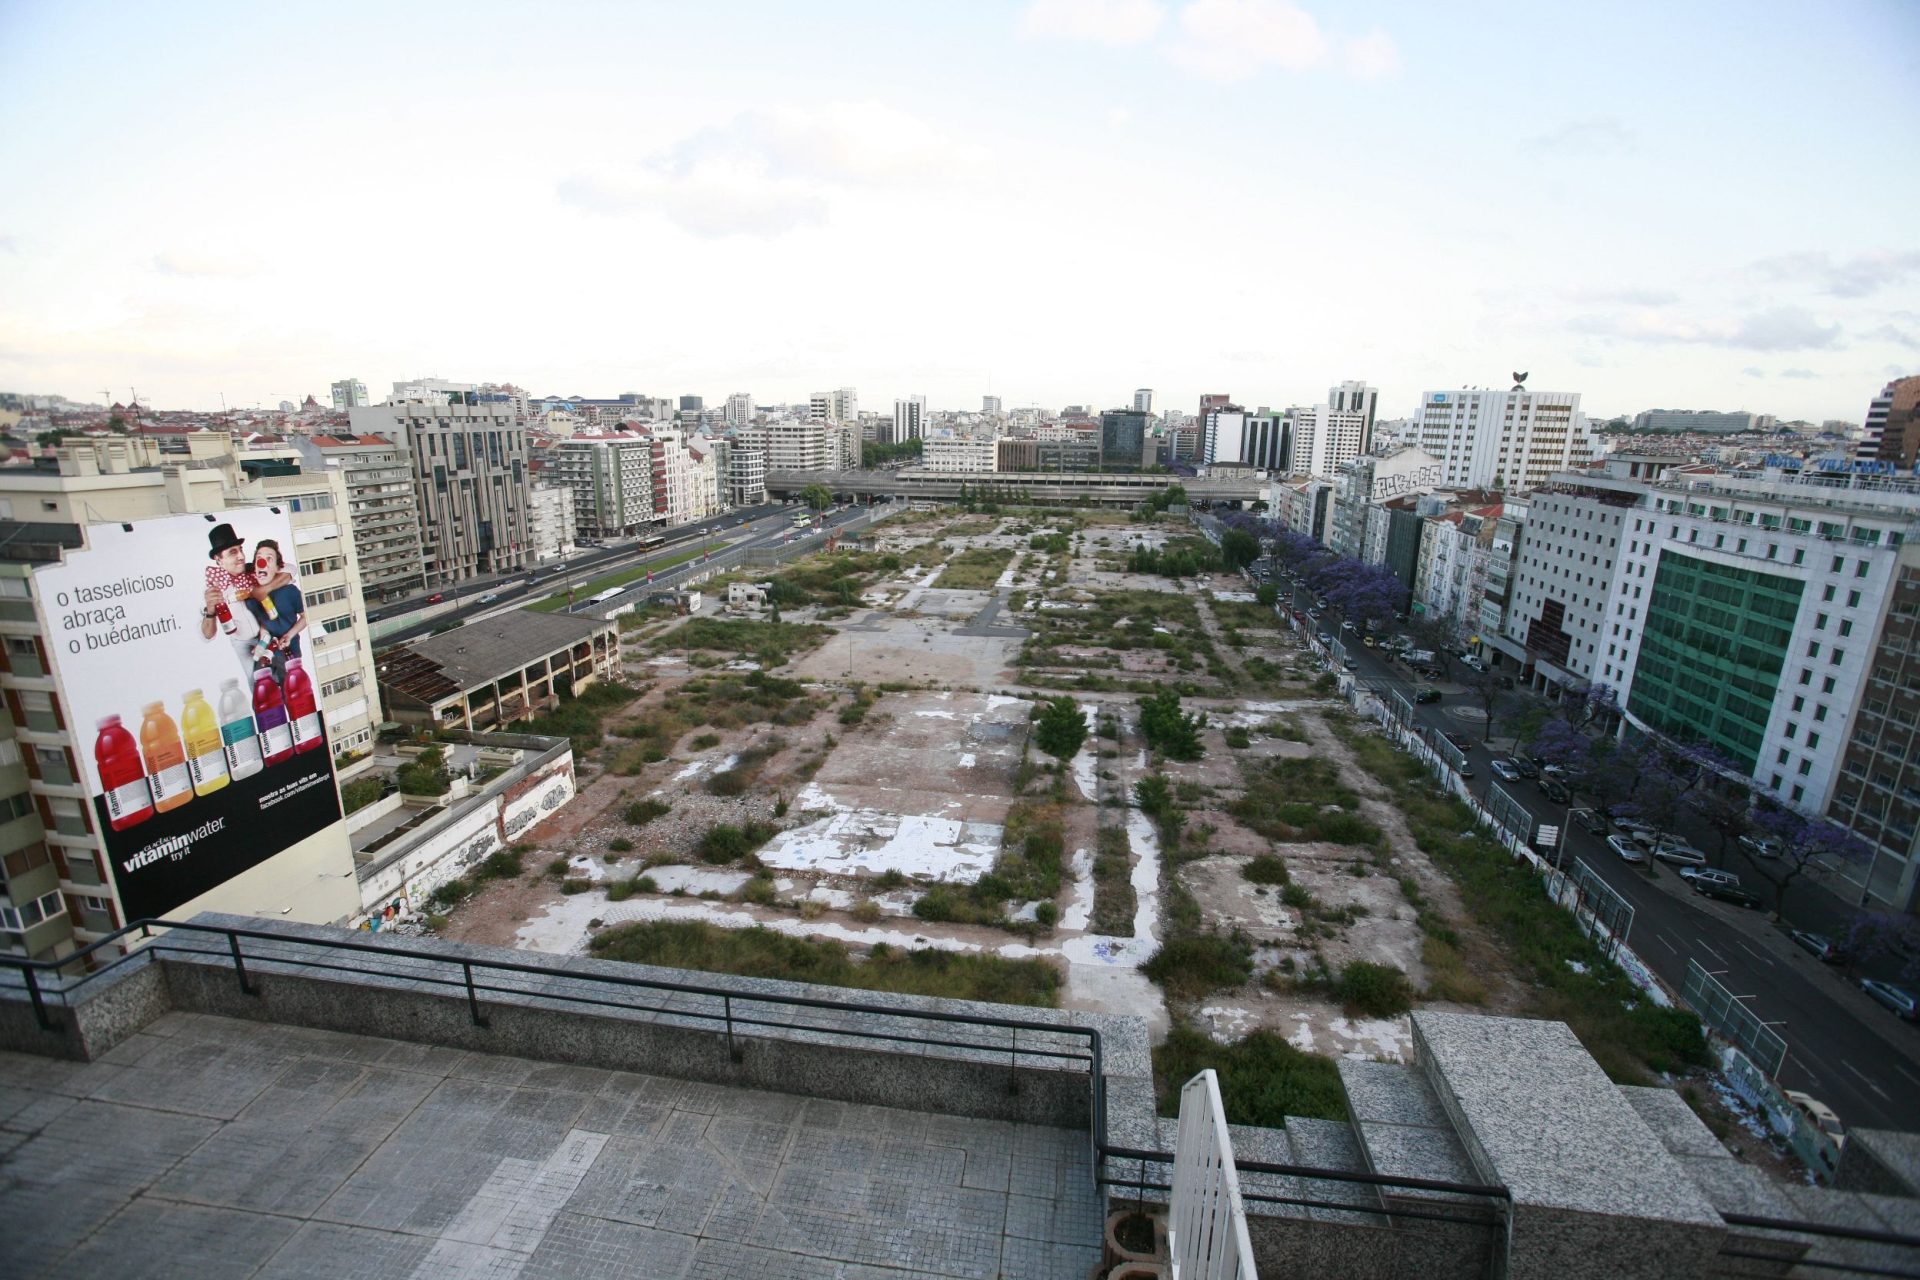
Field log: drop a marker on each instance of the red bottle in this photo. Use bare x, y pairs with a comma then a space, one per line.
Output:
301, 709
270, 714
122, 776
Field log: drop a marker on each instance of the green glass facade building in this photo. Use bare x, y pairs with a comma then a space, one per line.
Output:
1712, 652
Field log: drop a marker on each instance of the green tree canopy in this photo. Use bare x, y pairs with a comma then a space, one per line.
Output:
1062, 728
817, 496
1169, 730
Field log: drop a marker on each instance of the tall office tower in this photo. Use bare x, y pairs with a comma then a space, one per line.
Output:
349, 393
1223, 430
739, 409
1893, 425
1123, 439
469, 483
1360, 398
692, 404
1143, 400
1210, 403
1324, 438
909, 418
1511, 440
990, 404
846, 405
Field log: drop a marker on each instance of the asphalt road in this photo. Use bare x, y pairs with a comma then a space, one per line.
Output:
765, 526
1841, 1047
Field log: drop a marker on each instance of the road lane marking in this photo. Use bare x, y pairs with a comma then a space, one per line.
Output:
1755, 954
1863, 1075
1710, 951
1903, 1071
1668, 945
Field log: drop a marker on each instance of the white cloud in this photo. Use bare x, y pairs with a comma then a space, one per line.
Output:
1373, 56
195, 265
1112, 22
1119, 117
1781, 329
767, 172
1800, 375
1235, 39
1856, 278
1597, 136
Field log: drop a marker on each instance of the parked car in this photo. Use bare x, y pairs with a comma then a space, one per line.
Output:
1426, 693
1590, 821
1524, 763
1555, 791
1677, 854
1820, 1113
490, 597
1347, 625
1324, 638
1370, 642
1902, 1001
1638, 831
1819, 945
1505, 771
1349, 663
1726, 893
1458, 739
1712, 875
1627, 849
1466, 769
1472, 662
1760, 846
436, 598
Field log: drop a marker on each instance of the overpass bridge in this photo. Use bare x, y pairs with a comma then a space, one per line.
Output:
1038, 488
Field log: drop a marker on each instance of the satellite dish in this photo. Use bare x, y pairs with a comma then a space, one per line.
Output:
1519, 381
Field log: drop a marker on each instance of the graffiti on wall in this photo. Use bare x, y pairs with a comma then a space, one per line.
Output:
537, 798
1393, 486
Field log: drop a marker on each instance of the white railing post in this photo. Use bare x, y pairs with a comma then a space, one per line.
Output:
1206, 1223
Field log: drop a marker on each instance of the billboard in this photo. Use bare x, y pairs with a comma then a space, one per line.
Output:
185, 665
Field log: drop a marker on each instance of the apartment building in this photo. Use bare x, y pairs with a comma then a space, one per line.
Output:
1509, 440
745, 468
1325, 438
796, 445
610, 476
974, 454
50, 513
1369, 479
739, 410
909, 419
1455, 551
349, 393
550, 522
380, 505
470, 482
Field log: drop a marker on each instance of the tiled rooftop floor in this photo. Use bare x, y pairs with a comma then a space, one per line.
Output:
208, 1147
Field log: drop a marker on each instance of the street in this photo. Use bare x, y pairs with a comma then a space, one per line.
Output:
1841, 1047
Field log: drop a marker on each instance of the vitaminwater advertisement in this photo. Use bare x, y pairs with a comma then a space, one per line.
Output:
185, 665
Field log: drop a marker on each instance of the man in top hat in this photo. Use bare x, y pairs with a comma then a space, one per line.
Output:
230, 583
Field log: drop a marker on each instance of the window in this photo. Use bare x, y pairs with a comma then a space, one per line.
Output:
1798, 793
1820, 622
21, 861
1853, 598
1813, 741
1813, 648
1846, 628
16, 806
1819, 712
1806, 767
1827, 594
1782, 757
1826, 685
1798, 702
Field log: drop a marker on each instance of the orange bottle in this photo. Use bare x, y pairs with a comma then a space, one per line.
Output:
166, 758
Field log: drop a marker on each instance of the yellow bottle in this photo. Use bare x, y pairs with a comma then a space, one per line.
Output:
206, 750
166, 761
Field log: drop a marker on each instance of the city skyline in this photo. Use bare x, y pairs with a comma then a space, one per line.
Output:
218, 218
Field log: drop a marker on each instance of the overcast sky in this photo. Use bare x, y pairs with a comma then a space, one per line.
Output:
1700, 205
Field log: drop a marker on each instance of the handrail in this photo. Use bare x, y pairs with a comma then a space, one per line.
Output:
1330, 1175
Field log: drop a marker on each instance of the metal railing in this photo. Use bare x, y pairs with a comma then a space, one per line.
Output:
52, 983
1882, 1241
1206, 1222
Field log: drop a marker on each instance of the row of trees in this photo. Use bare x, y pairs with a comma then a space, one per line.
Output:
1367, 595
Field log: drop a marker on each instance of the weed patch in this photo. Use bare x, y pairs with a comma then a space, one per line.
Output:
1263, 1079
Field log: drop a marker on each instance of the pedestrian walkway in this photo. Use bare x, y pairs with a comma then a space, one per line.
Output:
210, 1146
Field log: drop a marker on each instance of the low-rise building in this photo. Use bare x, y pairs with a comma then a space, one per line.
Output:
507, 667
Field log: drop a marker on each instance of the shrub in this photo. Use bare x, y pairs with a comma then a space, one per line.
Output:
360, 793
1263, 1079
1239, 739
1374, 990
619, 891
645, 884
1168, 729
620, 844
724, 842
1189, 967
705, 740
1047, 913
575, 885
866, 911
758, 891
1266, 869
891, 878
641, 812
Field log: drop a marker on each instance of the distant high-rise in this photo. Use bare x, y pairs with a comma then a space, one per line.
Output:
846, 405
1123, 437
692, 404
1893, 425
1356, 397
990, 404
909, 419
1143, 400
1223, 430
349, 393
1512, 440
739, 409
1210, 403
820, 407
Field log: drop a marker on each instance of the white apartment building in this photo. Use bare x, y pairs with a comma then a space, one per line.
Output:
1509, 440
846, 405
349, 393
746, 473
1356, 397
1143, 400
1224, 435
739, 409
990, 404
794, 444
1455, 552
1325, 438
380, 502
909, 419
1372, 479
974, 454
550, 522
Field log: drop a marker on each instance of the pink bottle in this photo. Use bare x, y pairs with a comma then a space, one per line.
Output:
270, 715
301, 709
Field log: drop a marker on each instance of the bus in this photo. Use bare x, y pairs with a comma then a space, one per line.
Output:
803, 520
606, 595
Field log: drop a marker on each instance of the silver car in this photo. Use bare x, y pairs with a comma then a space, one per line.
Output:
1902, 1001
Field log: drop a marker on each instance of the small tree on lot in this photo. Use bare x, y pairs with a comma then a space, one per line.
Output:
1062, 728
1169, 730
817, 496
1804, 843
1238, 549
1485, 688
